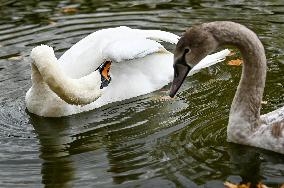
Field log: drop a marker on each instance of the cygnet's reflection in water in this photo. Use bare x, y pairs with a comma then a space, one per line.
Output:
251, 164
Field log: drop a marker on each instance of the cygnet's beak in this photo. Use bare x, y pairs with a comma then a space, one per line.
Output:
181, 70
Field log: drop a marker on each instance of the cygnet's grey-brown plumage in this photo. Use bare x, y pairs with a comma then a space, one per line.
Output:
246, 126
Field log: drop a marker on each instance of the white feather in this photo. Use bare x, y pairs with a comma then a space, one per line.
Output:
209, 61
122, 50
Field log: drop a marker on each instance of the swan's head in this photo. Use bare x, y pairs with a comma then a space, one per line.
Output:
195, 44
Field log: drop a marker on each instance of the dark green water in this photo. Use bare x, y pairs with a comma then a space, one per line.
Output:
144, 141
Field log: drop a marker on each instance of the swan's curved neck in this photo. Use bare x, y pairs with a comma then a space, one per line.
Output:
46, 70
245, 109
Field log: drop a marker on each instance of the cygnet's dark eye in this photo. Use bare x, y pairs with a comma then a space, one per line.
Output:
186, 50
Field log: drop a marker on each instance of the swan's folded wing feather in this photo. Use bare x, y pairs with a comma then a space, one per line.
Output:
123, 50
209, 61
158, 35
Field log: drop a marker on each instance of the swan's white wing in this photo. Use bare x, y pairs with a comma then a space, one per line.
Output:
123, 50
86, 55
158, 35
209, 61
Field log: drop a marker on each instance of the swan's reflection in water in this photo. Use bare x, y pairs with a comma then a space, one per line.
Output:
57, 167
111, 145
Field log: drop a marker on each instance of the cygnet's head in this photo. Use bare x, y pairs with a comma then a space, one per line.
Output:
195, 44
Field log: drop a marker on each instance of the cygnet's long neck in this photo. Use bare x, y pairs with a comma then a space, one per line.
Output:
245, 109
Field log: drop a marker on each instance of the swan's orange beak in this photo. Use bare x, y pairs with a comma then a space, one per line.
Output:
105, 70
181, 70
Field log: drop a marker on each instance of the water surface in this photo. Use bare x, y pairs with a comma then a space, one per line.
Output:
144, 141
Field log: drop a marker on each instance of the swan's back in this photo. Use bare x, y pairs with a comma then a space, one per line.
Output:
87, 54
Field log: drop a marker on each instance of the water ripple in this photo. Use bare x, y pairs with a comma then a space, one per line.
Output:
144, 141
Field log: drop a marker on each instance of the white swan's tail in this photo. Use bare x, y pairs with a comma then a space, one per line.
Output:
209, 61
158, 35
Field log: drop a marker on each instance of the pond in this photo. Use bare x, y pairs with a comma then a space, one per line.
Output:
143, 141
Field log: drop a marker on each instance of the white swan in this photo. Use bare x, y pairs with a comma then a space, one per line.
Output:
246, 126
73, 83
